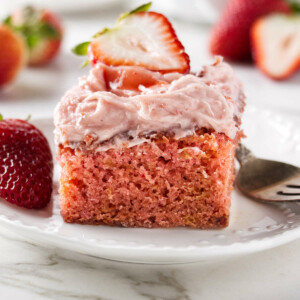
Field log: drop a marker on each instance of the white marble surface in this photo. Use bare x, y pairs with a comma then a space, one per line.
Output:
35, 272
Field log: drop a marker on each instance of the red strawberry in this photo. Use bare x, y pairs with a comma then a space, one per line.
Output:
26, 164
42, 30
231, 34
12, 54
276, 45
140, 38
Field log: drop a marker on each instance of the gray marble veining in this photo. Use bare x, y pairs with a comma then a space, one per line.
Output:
36, 272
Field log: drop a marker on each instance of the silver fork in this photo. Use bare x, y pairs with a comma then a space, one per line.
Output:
267, 180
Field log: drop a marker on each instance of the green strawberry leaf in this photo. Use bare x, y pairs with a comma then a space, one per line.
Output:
295, 6
85, 63
46, 30
32, 40
1, 117
7, 21
28, 118
144, 7
104, 30
81, 49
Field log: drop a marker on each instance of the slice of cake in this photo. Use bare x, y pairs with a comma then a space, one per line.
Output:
142, 142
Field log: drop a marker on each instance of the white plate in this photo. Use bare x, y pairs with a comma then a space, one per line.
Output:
253, 226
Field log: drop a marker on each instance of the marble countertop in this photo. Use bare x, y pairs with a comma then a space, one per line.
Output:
31, 272
34, 272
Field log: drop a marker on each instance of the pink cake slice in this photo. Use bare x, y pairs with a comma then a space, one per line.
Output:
157, 155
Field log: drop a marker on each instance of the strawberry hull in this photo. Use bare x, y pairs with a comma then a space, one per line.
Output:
42, 31
48, 48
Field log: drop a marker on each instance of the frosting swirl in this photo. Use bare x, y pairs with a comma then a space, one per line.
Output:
113, 101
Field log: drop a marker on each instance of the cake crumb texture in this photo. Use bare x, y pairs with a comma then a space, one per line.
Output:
165, 183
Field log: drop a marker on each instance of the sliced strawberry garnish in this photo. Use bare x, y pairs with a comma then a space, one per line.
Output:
129, 78
140, 38
230, 36
145, 39
26, 164
276, 45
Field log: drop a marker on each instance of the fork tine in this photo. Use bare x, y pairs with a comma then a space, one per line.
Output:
273, 196
287, 194
267, 180
281, 192
293, 186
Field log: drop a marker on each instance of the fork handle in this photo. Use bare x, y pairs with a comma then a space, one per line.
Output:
243, 154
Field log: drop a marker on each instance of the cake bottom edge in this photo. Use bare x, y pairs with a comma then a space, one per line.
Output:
215, 223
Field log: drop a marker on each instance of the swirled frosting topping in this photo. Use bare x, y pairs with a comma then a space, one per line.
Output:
112, 103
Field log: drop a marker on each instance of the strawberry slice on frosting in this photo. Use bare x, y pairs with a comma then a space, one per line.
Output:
139, 38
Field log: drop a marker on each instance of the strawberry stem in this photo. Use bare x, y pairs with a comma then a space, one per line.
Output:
81, 49
295, 6
104, 30
85, 63
143, 7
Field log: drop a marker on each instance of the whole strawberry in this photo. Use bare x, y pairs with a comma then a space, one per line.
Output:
26, 165
231, 34
12, 54
42, 31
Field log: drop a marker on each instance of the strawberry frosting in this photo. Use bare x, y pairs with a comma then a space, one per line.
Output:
112, 104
